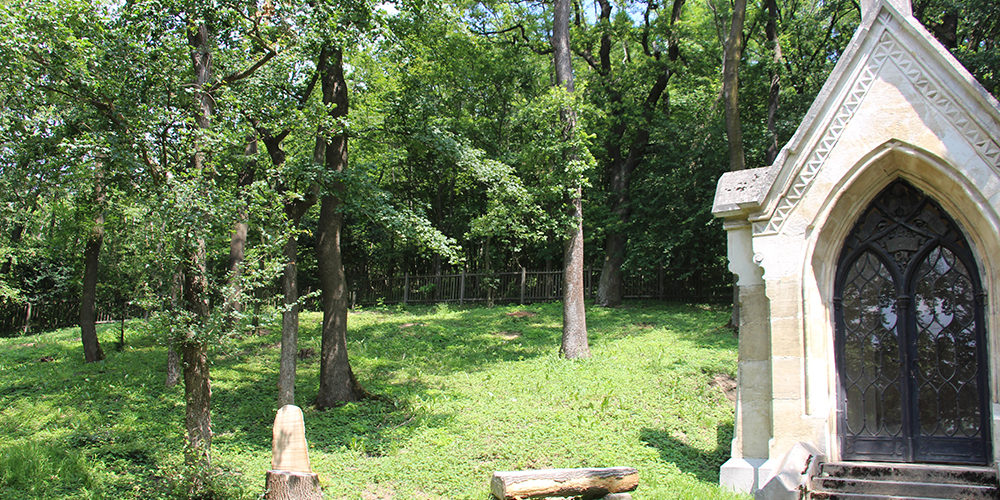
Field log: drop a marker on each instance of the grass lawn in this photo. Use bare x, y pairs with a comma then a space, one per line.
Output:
465, 391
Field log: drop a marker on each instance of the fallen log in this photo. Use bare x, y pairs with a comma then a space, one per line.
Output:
588, 483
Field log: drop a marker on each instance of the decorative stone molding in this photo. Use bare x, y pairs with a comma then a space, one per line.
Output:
888, 49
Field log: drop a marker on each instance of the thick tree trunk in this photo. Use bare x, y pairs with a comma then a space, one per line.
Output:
88, 299
337, 383
197, 415
620, 165
574, 336
611, 283
284, 485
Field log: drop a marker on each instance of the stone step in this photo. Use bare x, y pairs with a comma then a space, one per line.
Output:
928, 473
903, 489
829, 495
882, 481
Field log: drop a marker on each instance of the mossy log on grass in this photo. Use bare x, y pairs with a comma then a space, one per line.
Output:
286, 485
589, 483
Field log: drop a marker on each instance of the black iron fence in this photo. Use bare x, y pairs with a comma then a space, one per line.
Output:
27, 317
525, 286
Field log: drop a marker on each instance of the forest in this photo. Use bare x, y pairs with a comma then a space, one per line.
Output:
201, 163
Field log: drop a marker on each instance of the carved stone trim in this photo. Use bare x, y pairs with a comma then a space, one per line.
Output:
887, 49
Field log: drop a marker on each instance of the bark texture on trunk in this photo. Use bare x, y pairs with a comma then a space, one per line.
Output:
574, 335
238, 241
588, 483
622, 163
337, 383
193, 350
730, 86
91, 259
731, 100
173, 367
289, 324
285, 485
15, 237
774, 93
197, 415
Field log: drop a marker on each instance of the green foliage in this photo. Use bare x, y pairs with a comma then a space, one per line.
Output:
463, 392
40, 470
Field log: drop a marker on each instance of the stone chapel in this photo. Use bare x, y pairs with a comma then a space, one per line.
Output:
868, 265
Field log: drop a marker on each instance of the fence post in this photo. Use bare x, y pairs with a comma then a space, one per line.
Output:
461, 288
523, 275
659, 283
406, 287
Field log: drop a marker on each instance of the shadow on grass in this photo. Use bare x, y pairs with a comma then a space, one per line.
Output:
119, 412
703, 465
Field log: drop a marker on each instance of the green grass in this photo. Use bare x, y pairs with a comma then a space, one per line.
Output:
465, 391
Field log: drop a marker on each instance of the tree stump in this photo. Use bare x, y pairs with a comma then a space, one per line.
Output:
287, 485
290, 477
588, 483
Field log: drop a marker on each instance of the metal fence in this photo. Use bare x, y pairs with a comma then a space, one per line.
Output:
524, 287
26, 317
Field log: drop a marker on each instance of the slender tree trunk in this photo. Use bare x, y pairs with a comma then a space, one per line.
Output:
238, 241
15, 237
774, 94
194, 352
289, 324
174, 359
337, 383
92, 251
574, 336
730, 86
731, 100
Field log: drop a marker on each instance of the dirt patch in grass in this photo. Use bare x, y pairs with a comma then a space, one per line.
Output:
409, 325
726, 383
508, 335
378, 492
521, 314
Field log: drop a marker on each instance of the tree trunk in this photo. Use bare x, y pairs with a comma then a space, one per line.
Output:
609, 286
15, 237
289, 323
285, 485
774, 94
197, 415
588, 483
92, 251
174, 359
730, 86
238, 241
574, 336
173, 367
197, 385
620, 166
337, 383
730, 93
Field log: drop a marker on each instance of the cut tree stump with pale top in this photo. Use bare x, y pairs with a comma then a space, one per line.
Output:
589, 483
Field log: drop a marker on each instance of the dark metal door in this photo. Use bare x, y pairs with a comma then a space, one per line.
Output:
910, 341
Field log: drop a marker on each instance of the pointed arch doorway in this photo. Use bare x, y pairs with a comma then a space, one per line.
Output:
910, 336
